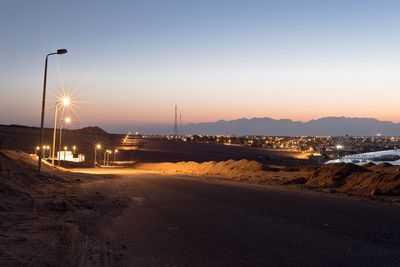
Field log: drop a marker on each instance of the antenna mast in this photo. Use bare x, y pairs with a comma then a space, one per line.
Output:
176, 122
180, 124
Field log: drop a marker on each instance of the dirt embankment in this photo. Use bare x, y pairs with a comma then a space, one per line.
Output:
367, 180
237, 170
47, 219
229, 169
370, 180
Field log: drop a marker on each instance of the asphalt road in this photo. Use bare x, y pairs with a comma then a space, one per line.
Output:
179, 221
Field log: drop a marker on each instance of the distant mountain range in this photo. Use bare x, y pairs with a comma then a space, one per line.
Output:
333, 126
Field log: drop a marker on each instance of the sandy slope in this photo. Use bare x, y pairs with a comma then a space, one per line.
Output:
47, 219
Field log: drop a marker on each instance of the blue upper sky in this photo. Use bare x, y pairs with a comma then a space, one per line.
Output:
130, 62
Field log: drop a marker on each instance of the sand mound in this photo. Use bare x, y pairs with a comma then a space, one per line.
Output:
333, 175
372, 184
368, 165
357, 180
229, 169
43, 216
383, 165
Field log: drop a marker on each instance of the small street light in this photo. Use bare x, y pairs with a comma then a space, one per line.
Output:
48, 148
37, 150
108, 157
97, 147
74, 149
59, 52
105, 155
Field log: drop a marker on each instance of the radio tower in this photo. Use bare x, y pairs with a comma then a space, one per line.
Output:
180, 124
176, 122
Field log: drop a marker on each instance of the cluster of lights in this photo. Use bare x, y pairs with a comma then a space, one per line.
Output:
47, 147
315, 145
107, 154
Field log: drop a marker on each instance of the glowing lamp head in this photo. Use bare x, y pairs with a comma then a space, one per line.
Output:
116, 150
98, 146
65, 148
67, 120
66, 101
38, 147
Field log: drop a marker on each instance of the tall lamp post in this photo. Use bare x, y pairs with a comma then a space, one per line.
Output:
59, 52
65, 102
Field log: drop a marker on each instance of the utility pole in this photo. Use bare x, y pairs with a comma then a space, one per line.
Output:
180, 125
176, 122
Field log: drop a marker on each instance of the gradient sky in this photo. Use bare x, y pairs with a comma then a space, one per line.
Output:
130, 62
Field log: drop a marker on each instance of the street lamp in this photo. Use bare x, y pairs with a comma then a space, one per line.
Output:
115, 152
105, 155
108, 157
66, 120
74, 149
97, 147
65, 102
59, 52
36, 150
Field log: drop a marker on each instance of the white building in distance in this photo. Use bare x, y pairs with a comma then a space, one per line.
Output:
389, 156
69, 156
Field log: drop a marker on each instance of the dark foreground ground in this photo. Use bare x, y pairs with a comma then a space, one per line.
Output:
130, 217
179, 221
147, 218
